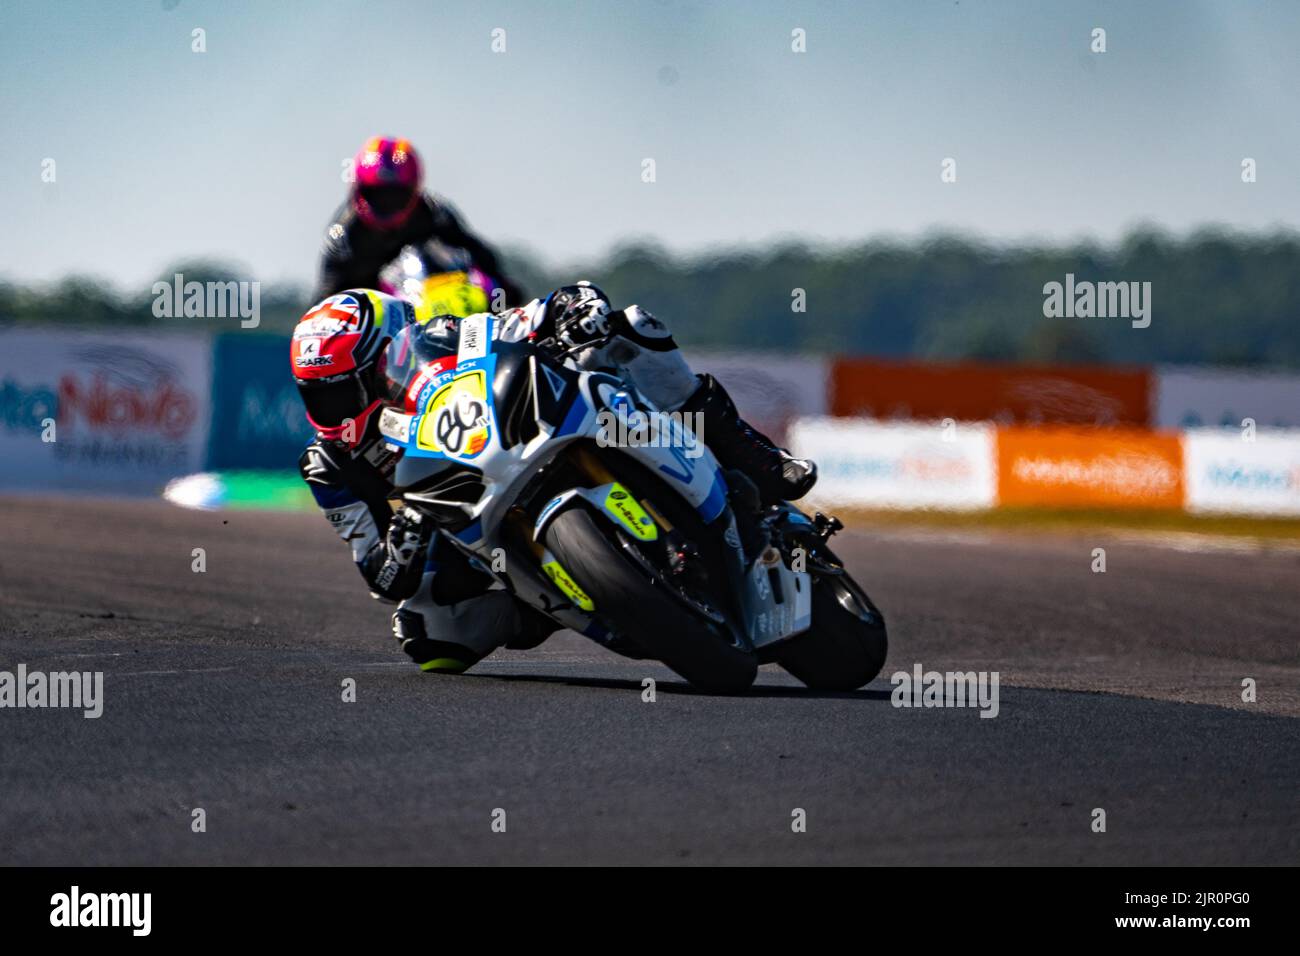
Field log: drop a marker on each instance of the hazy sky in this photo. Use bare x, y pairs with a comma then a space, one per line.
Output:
163, 153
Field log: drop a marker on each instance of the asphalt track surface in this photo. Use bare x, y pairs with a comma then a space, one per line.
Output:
1119, 691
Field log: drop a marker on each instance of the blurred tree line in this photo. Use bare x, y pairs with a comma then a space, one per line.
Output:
1216, 298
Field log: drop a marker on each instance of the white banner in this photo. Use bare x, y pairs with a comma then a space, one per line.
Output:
877, 465
94, 411
770, 389
1194, 398
1225, 473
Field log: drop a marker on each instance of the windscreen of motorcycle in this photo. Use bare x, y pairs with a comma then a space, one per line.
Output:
415, 348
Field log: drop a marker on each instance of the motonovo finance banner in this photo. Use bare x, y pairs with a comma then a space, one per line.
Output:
874, 465
129, 410
1226, 473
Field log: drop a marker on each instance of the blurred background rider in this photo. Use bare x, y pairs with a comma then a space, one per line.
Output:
387, 209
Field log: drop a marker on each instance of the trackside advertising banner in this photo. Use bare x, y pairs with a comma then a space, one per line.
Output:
1003, 394
1089, 467
1203, 397
82, 410
1228, 473
874, 465
257, 417
868, 464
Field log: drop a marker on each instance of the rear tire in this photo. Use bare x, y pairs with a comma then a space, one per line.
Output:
846, 646
635, 606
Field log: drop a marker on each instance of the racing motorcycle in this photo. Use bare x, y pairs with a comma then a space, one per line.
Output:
438, 280
647, 546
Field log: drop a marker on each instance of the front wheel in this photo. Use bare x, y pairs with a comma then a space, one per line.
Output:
845, 647
635, 604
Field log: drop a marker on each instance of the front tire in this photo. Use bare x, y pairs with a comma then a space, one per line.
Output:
638, 607
846, 646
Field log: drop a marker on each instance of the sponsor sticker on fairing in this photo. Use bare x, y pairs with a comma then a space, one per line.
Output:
475, 331
395, 426
456, 421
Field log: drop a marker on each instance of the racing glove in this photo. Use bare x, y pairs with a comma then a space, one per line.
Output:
400, 556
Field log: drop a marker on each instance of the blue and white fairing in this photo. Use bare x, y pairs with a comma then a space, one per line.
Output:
468, 416
458, 419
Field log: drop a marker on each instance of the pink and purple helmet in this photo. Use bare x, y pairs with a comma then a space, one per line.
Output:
388, 180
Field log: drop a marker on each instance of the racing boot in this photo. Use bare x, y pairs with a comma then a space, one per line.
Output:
736, 444
432, 656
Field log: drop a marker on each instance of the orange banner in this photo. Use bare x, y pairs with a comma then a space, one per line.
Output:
1089, 467
1021, 394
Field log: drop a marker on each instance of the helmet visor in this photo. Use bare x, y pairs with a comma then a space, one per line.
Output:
386, 200
330, 404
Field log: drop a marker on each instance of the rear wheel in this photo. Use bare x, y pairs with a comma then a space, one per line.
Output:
635, 602
845, 647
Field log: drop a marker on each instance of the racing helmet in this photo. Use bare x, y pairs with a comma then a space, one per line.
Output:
388, 181
580, 303
337, 357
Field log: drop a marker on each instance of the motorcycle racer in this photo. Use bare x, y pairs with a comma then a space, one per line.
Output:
386, 210
337, 354
452, 612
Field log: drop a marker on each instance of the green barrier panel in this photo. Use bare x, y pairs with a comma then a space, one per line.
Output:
245, 490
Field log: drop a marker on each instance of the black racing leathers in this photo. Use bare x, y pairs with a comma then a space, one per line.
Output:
354, 252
